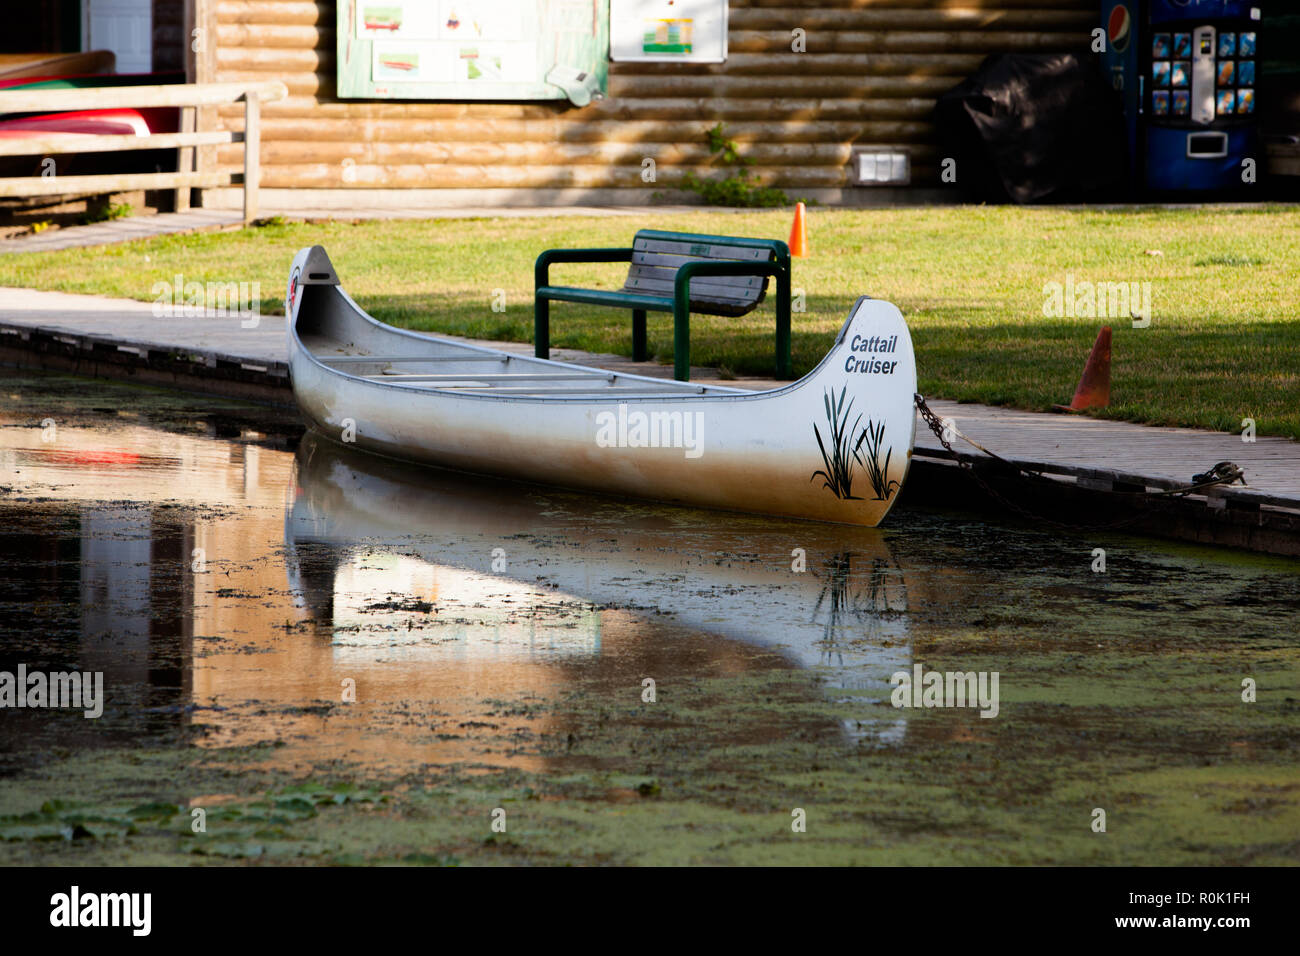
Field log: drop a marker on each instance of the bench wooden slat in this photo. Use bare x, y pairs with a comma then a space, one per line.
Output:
736, 294
674, 262
700, 291
738, 284
742, 289
699, 285
700, 250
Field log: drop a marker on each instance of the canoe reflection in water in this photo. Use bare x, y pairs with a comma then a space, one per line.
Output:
397, 562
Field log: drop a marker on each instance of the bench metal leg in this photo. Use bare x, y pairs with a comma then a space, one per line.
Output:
639, 352
784, 364
682, 335
541, 327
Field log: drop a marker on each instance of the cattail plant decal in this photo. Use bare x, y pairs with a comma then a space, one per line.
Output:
877, 473
838, 474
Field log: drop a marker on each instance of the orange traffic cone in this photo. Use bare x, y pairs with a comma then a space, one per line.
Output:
798, 233
1094, 387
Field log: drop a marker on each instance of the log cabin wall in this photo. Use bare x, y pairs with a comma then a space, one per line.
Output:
869, 76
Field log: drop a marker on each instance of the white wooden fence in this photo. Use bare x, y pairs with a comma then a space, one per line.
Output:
186, 96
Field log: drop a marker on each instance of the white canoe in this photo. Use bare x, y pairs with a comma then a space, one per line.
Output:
833, 446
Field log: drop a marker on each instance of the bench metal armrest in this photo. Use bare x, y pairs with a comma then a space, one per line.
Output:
682, 308
541, 270
542, 277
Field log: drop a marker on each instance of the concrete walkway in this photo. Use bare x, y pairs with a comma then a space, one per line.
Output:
247, 358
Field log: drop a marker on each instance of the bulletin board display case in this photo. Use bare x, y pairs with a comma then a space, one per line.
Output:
664, 31
477, 50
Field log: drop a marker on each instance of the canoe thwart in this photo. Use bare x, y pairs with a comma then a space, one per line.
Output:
372, 359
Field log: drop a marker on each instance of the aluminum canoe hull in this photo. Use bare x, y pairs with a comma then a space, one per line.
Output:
833, 446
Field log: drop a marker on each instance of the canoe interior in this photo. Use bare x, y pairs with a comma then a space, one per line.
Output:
336, 333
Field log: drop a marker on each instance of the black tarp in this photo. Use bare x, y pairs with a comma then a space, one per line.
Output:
1035, 128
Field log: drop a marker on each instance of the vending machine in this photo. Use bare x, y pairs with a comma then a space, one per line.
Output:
1187, 71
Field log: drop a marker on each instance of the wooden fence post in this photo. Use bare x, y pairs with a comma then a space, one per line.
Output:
252, 153
185, 159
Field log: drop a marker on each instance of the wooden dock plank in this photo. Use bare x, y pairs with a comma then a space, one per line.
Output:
1271, 464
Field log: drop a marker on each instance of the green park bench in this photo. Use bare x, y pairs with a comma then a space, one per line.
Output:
681, 273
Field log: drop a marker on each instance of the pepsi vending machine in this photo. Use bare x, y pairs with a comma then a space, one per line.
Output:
1187, 71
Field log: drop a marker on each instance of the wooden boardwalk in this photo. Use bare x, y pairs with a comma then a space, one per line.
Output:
1101, 454
123, 230
130, 322
1086, 453
202, 220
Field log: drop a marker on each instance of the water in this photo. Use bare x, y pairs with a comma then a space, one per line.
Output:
287, 609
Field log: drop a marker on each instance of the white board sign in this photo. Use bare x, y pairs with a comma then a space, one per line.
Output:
663, 31
472, 49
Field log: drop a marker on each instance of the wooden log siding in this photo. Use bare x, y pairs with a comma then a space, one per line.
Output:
870, 76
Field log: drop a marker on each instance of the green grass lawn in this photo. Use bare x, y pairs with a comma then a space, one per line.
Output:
1224, 343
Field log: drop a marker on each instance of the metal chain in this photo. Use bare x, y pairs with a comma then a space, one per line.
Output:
1225, 472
